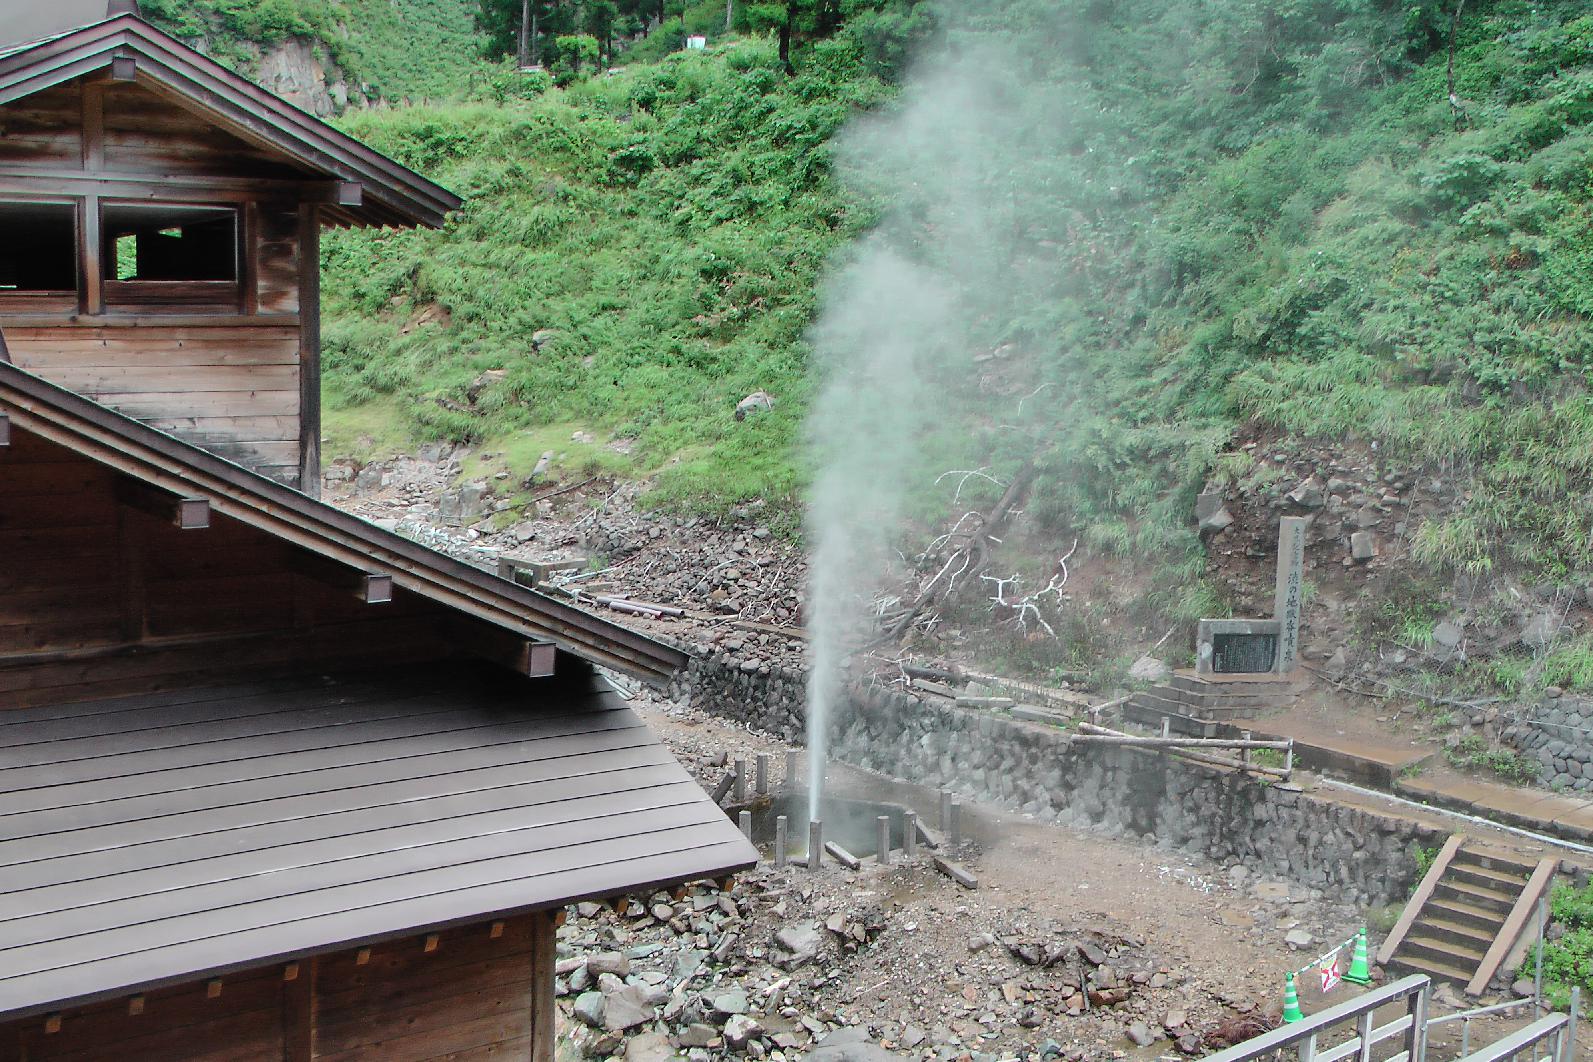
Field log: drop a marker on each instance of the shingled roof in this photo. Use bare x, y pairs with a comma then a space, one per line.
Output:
155, 839
163, 461
381, 191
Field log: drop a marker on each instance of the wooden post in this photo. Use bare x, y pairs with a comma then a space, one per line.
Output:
310, 350
298, 1011
781, 841
945, 810
815, 844
761, 778
954, 831
741, 780
883, 827
543, 959
910, 834
746, 824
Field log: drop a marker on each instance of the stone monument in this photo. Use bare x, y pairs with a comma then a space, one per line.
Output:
1262, 646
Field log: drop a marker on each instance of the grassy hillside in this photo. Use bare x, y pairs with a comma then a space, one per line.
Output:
1203, 215
418, 49
637, 254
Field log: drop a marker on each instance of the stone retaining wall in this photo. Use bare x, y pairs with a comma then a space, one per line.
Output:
1165, 801
1557, 733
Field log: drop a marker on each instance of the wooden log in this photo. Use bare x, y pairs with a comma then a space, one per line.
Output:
842, 856
956, 873
723, 787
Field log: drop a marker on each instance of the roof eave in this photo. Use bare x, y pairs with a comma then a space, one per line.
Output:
138, 450
397, 194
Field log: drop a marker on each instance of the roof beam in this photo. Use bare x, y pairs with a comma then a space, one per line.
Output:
182, 511
531, 657
371, 587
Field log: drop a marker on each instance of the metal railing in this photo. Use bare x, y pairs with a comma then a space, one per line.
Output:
1556, 1028
1465, 1017
1307, 1034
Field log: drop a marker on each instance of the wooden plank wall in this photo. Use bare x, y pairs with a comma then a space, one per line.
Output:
223, 367
98, 598
232, 389
465, 996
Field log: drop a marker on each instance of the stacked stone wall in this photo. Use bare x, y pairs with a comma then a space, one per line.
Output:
1172, 803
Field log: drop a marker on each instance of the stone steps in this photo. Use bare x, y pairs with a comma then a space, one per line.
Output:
1191, 704
1466, 915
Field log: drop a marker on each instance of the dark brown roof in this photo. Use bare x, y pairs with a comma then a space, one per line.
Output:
161, 838
391, 193
146, 454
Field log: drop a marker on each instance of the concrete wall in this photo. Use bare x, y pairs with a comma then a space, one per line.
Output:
1161, 800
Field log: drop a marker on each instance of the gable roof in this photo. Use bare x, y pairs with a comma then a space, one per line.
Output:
163, 461
389, 193
162, 838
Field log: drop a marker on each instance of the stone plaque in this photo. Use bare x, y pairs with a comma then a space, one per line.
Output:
1288, 597
1243, 654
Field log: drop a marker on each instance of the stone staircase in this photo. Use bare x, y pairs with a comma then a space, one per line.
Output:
1198, 705
1467, 915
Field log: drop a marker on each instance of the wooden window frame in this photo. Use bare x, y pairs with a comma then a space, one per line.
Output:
156, 297
65, 301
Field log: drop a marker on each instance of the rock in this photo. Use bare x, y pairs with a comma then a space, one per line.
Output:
589, 1008
626, 1008
1139, 1035
979, 942
730, 1003
1148, 669
1189, 1044
1298, 938
1308, 495
1174, 1019
1363, 547
1540, 630
649, 1047
1208, 504
541, 337
801, 941
757, 402
1338, 663
740, 1031
610, 962
699, 1035
1448, 635
1216, 523
849, 1045
1523, 988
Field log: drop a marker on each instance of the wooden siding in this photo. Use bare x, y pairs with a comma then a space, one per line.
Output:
97, 598
233, 390
145, 133
468, 998
44, 129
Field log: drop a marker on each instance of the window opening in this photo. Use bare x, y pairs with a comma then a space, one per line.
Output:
38, 247
164, 243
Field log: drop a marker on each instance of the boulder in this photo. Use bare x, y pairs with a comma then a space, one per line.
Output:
626, 1008
1149, 669
589, 1008
740, 1031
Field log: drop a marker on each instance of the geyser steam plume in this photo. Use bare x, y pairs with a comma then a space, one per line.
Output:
894, 340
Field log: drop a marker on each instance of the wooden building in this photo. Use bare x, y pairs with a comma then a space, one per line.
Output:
275, 784
159, 230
